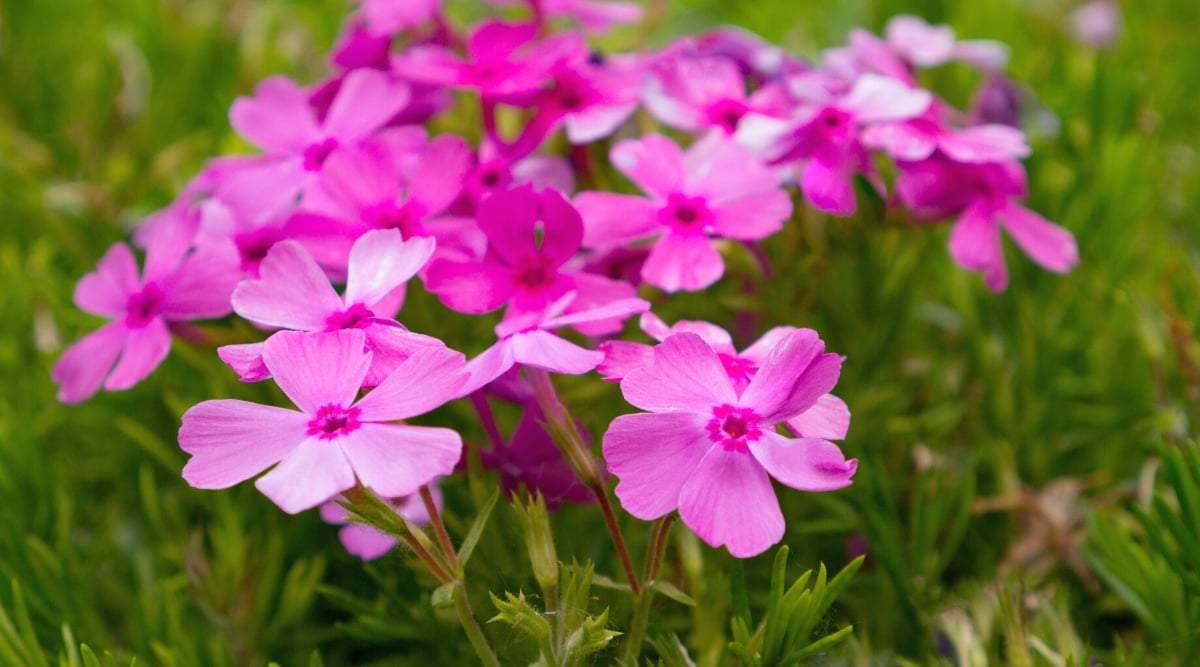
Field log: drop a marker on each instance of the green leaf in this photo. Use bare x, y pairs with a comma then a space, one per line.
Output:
672, 591
443, 596
473, 535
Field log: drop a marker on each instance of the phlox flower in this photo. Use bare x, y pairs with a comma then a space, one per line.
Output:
503, 60
826, 133
714, 189
177, 285
280, 120
589, 100
394, 180
292, 292
917, 138
388, 17
499, 168
984, 198
594, 15
531, 458
696, 94
710, 451
333, 441
529, 340
531, 238
369, 543
827, 418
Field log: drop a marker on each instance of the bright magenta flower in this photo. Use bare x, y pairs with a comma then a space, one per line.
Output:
710, 451
334, 441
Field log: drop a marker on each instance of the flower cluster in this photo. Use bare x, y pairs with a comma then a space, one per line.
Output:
349, 188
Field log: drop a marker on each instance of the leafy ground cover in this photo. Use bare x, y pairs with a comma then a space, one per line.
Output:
1027, 490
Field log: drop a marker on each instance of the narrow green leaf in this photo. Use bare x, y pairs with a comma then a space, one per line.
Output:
443, 596
741, 600
315, 659
670, 590
823, 644
89, 657
473, 535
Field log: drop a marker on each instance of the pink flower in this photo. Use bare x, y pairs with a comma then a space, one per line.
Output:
917, 138
369, 543
985, 199
696, 94
710, 451
531, 238
594, 15
333, 442
503, 60
388, 17
828, 418
280, 120
715, 189
827, 134
529, 340
293, 293
177, 285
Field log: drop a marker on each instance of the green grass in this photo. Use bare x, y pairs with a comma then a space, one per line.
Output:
970, 409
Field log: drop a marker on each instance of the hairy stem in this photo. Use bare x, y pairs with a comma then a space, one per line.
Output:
660, 532
474, 633
439, 527
579, 455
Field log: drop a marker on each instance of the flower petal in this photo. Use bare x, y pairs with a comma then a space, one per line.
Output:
792, 377
231, 441
245, 360
145, 348
653, 456
686, 376
808, 464
106, 290
542, 349
380, 261
470, 287
82, 368
318, 369
422, 382
683, 261
610, 219
828, 418
312, 473
395, 460
654, 163
728, 500
292, 292
277, 119
365, 101
1051, 246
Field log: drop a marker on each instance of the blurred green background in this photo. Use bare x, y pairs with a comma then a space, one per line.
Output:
1007, 442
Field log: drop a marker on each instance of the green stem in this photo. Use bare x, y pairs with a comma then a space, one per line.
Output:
579, 455
440, 528
474, 633
655, 551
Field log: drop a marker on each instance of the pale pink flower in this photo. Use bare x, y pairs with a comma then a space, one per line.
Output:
714, 189
280, 120
333, 441
710, 451
292, 292
828, 418
177, 285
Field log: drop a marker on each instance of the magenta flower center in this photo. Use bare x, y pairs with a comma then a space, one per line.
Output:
333, 421
143, 306
833, 122
726, 114
685, 213
387, 215
533, 275
734, 427
315, 154
356, 316
253, 247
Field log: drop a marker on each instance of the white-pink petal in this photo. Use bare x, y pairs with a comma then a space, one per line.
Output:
292, 292
828, 418
380, 261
